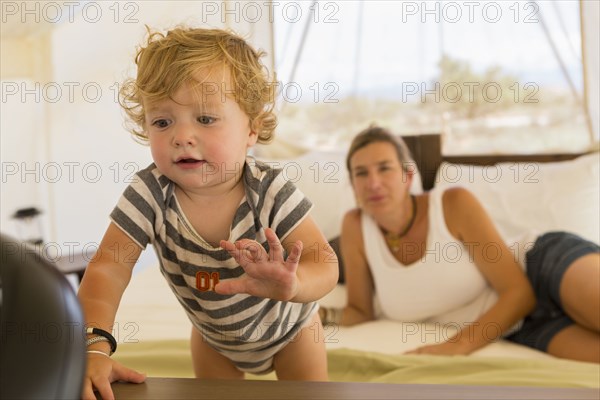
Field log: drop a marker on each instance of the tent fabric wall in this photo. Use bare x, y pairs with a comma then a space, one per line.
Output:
68, 132
590, 21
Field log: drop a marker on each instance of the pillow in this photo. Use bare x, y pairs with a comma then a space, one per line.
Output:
532, 196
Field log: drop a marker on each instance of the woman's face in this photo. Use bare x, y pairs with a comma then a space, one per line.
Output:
379, 182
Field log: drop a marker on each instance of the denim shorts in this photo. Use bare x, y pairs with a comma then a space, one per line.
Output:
547, 262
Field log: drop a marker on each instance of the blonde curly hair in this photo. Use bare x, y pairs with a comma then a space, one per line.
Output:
168, 61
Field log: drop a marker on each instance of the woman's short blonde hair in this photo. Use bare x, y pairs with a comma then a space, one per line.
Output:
168, 61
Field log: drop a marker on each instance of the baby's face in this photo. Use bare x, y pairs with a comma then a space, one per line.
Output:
200, 136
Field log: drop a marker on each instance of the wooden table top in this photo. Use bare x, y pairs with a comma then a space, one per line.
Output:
187, 388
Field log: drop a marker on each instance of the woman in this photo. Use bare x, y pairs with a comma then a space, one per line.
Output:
431, 255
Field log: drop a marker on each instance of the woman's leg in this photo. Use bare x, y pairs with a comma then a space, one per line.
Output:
580, 291
209, 363
580, 298
576, 343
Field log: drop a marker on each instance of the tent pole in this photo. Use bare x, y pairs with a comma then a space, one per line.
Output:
588, 118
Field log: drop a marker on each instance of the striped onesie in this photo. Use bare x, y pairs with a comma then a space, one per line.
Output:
246, 329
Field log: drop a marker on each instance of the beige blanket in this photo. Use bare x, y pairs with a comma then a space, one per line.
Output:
172, 359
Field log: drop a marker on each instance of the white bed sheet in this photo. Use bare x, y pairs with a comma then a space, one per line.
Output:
150, 312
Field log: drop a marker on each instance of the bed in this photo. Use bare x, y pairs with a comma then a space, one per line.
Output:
541, 192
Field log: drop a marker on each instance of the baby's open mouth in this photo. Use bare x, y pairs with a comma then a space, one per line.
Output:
188, 160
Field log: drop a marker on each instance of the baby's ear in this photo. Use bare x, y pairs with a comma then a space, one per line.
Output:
252, 136
257, 123
255, 128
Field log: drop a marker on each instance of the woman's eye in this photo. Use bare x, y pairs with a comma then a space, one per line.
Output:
206, 120
160, 123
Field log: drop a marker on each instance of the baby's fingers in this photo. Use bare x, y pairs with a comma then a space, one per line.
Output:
294, 255
122, 373
103, 387
244, 251
231, 286
101, 384
275, 247
250, 251
87, 392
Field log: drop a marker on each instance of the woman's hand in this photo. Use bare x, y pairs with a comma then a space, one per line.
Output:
443, 349
267, 275
101, 372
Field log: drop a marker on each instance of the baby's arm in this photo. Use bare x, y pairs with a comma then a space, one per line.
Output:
318, 269
103, 284
309, 272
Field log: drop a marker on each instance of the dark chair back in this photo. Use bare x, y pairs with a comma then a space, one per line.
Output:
42, 327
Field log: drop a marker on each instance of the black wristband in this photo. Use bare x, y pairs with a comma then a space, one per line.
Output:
102, 332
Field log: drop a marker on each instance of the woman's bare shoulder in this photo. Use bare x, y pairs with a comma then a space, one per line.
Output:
457, 196
351, 226
352, 216
465, 216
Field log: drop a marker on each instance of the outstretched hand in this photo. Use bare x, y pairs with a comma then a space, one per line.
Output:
267, 275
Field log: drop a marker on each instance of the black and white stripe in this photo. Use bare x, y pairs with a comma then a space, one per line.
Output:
247, 329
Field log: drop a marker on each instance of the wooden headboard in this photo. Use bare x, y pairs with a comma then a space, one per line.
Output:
427, 153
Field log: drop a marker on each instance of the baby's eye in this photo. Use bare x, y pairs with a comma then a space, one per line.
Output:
160, 123
360, 173
206, 120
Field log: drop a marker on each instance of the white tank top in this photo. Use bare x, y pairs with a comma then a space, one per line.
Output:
444, 286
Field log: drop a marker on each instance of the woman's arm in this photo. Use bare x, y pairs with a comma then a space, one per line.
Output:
359, 282
468, 222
